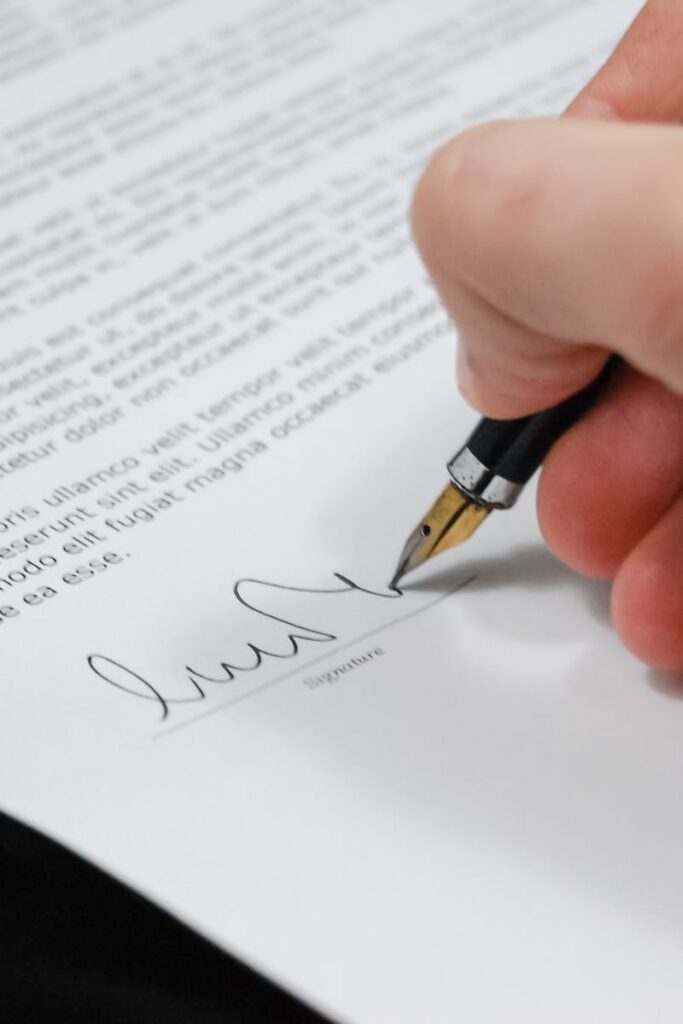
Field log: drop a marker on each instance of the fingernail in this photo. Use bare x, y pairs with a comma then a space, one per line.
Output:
463, 372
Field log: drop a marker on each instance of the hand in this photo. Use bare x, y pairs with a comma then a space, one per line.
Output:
552, 243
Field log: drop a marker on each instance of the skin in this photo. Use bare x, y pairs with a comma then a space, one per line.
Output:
553, 243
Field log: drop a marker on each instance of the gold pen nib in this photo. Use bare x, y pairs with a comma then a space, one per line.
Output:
451, 520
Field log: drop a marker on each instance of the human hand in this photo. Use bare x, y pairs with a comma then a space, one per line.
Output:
553, 243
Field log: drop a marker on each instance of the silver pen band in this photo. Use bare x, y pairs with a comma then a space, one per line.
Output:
482, 486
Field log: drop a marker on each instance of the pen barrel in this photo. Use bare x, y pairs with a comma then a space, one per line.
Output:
501, 456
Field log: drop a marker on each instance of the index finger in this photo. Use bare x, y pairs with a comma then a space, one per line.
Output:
642, 80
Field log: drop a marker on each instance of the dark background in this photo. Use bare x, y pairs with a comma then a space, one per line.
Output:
77, 946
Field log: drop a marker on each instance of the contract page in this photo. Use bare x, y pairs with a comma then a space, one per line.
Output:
226, 395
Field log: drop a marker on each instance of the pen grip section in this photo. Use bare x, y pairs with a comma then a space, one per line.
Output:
514, 449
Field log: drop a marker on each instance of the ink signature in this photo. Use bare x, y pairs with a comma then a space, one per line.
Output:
131, 682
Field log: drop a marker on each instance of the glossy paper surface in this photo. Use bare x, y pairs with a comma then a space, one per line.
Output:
226, 396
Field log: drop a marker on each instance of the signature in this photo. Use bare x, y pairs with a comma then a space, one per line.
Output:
133, 683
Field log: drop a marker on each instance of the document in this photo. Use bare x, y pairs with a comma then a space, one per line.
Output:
226, 396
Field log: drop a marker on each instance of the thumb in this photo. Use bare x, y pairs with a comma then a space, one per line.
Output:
552, 242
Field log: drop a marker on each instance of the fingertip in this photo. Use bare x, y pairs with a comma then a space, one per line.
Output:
575, 515
647, 597
611, 477
447, 199
430, 200
466, 217
583, 541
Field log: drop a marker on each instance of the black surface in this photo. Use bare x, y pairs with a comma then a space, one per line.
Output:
514, 449
77, 946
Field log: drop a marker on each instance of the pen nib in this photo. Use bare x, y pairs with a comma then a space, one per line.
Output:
452, 519
396, 578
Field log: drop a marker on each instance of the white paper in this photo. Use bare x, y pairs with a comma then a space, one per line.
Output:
222, 363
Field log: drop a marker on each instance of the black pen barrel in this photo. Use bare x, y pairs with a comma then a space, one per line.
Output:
500, 452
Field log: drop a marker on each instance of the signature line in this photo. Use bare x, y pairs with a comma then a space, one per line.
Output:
299, 669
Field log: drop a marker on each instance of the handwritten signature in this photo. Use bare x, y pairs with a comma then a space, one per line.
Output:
131, 682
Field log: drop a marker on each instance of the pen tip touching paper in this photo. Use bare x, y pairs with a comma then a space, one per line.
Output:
410, 558
451, 520
396, 578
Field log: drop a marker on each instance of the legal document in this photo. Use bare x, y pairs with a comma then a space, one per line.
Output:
226, 395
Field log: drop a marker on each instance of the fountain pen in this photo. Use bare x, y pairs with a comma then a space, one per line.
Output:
490, 471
